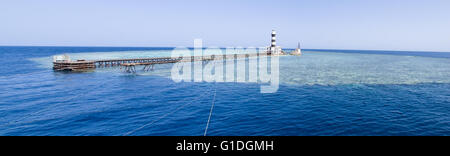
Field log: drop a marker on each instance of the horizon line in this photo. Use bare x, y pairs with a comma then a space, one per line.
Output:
78, 46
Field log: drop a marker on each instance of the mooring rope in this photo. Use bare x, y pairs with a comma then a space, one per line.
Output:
210, 111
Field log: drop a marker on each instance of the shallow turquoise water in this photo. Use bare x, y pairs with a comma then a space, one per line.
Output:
323, 92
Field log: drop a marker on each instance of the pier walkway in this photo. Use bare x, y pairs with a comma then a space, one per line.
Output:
148, 63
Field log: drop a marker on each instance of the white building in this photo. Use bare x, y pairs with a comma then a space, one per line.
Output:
61, 58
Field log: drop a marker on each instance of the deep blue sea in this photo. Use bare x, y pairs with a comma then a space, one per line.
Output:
323, 92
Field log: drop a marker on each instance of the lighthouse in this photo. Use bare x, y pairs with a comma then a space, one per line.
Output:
274, 40
274, 49
297, 51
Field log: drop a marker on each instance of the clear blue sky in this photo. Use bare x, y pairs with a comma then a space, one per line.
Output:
320, 24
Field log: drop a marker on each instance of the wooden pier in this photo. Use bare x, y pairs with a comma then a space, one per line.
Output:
130, 64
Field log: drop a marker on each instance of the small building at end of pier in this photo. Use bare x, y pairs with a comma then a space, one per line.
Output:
64, 63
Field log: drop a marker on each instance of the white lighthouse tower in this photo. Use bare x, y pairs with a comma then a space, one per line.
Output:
274, 49
274, 40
